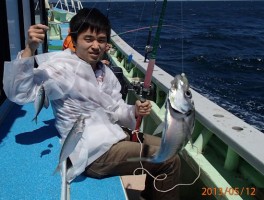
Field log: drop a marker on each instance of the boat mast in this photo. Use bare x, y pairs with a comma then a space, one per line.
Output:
151, 65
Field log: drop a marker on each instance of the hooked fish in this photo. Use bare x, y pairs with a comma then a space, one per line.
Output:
41, 101
179, 120
71, 140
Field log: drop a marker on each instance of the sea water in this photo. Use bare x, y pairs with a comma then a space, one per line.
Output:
218, 44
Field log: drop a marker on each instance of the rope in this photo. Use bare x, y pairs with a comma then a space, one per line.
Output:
164, 175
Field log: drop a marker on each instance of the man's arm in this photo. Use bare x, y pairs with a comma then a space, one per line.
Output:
36, 35
18, 77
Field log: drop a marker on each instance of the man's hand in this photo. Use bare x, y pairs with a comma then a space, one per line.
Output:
143, 109
36, 35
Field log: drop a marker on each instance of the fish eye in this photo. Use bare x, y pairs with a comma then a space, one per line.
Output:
188, 94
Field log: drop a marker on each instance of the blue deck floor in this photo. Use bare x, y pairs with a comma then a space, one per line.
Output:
28, 156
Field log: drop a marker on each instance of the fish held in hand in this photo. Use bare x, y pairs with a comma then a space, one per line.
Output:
179, 121
71, 140
41, 101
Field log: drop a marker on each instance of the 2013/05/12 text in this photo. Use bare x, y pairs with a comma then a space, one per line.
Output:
215, 191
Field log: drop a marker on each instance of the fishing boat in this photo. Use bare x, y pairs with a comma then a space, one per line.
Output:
226, 156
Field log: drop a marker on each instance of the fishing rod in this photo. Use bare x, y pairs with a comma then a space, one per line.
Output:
150, 67
142, 28
149, 48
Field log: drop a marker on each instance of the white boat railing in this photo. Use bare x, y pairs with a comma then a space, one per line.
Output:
242, 142
75, 5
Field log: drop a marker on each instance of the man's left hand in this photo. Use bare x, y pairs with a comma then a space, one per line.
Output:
143, 108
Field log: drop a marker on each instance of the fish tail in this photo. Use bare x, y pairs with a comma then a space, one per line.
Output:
35, 119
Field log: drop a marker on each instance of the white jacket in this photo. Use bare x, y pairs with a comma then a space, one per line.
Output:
72, 89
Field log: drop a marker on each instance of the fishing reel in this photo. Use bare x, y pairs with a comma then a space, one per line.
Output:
146, 93
148, 49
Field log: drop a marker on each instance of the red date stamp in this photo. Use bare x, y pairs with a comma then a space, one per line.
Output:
215, 191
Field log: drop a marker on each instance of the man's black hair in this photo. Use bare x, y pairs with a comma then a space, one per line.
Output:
89, 18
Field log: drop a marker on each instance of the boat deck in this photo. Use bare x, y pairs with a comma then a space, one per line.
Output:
231, 157
29, 156
30, 152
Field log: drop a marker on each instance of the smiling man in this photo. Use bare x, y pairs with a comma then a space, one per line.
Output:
79, 84
90, 39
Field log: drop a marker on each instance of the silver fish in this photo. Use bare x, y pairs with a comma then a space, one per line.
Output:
41, 101
71, 140
179, 120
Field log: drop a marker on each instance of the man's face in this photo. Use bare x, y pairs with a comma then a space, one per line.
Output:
91, 46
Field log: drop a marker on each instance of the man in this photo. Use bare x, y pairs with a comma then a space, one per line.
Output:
67, 43
78, 83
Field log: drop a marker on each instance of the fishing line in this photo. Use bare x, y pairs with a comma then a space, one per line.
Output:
157, 178
76, 32
140, 19
182, 37
108, 8
130, 57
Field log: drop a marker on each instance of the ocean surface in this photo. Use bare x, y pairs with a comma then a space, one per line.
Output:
219, 45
